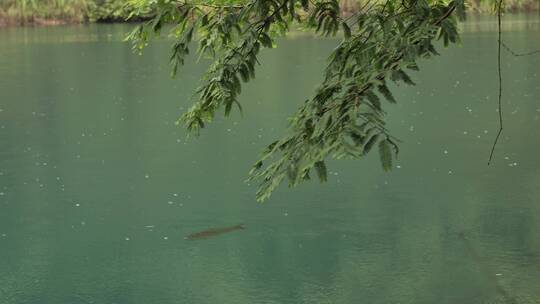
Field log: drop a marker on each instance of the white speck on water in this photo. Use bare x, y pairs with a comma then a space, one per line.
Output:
478, 136
485, 131
229, 130
335, 173
4, 235
465, 132
445, 151
77, 205
165, 237
146, 176
286, 214
170, 202
127, 239
58, 178
450, 172
181, 205
2, 193
175, 194
498, 274
83, 223
78, 156
411, 128
398, 166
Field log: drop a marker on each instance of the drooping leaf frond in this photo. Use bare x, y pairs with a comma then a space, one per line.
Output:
345, 116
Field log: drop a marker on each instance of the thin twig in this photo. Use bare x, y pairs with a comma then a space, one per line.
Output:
518, 54
499, 9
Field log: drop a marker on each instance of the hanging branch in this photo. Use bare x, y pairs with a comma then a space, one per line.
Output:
499, 9
345, 117
519, 54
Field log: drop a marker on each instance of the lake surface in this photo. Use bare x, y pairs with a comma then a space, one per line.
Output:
98, 187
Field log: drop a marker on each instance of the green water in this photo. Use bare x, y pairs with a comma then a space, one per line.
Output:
98, 187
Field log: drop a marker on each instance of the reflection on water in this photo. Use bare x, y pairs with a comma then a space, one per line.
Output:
98, 187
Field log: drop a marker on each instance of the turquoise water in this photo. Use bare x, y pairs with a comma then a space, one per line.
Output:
98, 187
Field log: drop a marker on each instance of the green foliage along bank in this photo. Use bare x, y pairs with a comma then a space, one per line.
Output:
50, 12
43, 11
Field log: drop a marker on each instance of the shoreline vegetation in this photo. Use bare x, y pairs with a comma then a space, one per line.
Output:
61, 12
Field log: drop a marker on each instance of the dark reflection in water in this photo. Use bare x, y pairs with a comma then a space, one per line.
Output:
98, 187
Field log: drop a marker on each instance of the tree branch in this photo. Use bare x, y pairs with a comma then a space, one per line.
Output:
499, 9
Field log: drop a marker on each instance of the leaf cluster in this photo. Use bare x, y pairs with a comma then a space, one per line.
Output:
345, 118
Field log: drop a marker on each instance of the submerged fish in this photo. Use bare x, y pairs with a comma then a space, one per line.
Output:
214, 232
487, 269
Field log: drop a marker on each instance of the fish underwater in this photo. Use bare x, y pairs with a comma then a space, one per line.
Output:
214, 232
471, 250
